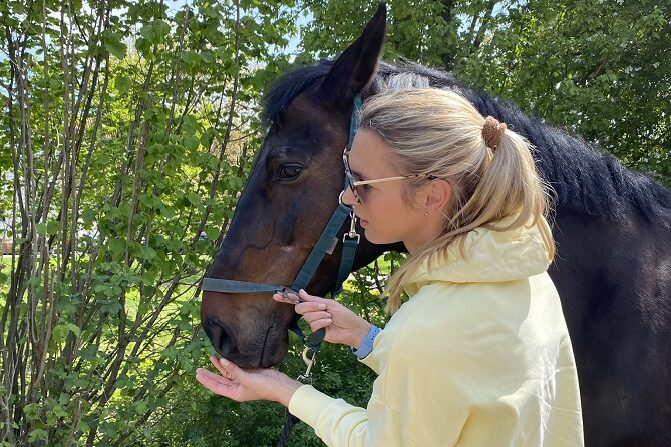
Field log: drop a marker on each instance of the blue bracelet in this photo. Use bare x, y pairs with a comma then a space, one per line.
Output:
367, 343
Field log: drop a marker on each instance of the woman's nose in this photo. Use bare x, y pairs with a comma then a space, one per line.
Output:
348, 198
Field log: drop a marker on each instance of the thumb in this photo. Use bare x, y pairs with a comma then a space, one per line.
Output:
227, 368
230, 366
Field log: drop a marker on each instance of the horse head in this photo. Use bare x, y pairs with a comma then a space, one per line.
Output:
289, 197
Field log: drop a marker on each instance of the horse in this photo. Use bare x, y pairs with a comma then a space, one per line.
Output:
611, 225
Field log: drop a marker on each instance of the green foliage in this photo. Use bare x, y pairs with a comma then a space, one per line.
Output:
598, 68
124, 148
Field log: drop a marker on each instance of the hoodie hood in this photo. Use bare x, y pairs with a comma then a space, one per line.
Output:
490, 256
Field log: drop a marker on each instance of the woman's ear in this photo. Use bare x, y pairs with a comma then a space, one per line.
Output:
437, 195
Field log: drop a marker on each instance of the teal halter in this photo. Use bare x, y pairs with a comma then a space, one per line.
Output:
326, 243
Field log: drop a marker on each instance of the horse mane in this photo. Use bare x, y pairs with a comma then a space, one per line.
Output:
585, 179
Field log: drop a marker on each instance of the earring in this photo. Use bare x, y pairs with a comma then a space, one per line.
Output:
426, 214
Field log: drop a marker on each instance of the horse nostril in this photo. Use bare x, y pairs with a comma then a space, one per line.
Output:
221, 335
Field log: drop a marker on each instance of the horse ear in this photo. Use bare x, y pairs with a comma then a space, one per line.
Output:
357, 65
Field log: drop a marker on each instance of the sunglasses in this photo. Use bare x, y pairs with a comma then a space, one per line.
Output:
358, 186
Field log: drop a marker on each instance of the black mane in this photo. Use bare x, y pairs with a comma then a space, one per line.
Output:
585, 180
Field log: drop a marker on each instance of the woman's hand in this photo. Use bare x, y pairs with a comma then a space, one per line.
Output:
342, 325
244, 385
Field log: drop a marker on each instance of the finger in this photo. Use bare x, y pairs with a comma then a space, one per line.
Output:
314, 316
313, 306
210, 379
216, 383
233, 370
303, 295
287, 297
202, 372
318, 324
224, 371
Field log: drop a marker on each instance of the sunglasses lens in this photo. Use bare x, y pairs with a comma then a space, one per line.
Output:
350, 183
349, 178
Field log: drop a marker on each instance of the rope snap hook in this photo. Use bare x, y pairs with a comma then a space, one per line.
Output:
306, 377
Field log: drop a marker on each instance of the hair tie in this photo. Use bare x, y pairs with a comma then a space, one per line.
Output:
492, 130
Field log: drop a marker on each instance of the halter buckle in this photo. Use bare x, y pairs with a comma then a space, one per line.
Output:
353, 236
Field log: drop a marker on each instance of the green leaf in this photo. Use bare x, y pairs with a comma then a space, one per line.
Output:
147, 31
88, 215
206, 56
82, 426
31, 411
140, 408
166, 212
194, 198
190, 57
191, 142
109, 428
113, 44
156, 31
111, 308
60, 332
234, 183
59, 412
161, 29
117, 247
143, 46
41, 228
123, 84
52, 227
147, 253
189, 124
37, 435
88, 353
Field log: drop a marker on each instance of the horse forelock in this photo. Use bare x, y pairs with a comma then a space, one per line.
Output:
285, 89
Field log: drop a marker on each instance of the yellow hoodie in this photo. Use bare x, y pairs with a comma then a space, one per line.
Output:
478, 356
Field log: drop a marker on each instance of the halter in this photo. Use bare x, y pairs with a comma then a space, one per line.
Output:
326, 244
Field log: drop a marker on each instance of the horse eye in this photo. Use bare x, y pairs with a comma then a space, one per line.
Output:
288, 172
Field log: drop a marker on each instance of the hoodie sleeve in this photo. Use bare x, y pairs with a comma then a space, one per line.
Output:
372, 361
335, 421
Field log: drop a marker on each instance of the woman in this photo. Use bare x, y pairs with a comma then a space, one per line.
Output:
479, 354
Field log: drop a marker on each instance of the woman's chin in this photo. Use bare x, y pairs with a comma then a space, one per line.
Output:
373, 238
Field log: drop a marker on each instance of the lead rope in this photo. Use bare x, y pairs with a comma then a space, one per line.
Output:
305, 378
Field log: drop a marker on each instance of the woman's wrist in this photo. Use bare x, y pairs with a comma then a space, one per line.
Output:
285, 390
359, 334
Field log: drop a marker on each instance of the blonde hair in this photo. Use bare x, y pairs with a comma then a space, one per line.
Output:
436, 133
